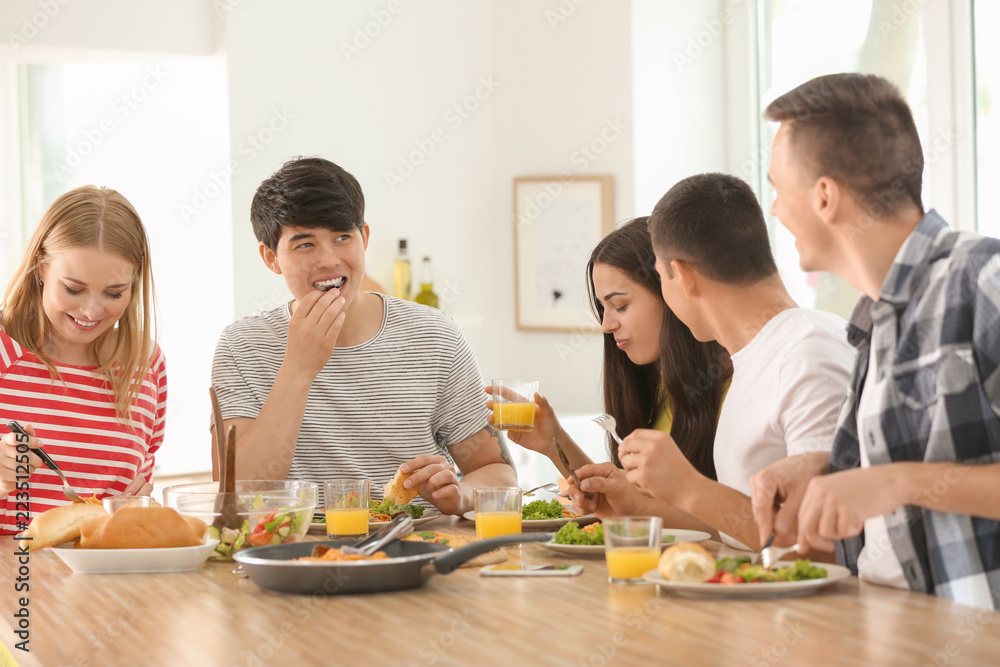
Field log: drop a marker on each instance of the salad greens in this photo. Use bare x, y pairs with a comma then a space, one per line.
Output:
571, 533
270, 528
738, 570
540, 510
392, 509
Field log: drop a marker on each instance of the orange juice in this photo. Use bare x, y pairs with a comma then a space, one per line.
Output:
347, 522
494, 524
514, 416
631, 562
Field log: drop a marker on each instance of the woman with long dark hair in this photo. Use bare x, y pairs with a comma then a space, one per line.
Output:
656, 374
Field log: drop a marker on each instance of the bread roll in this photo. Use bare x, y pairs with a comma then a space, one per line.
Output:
60, 524
142, 528
687, 562
395, 491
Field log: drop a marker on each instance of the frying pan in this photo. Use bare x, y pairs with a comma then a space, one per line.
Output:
410, 564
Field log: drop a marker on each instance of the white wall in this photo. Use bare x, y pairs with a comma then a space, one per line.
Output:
546, 88
551, 77
61, 30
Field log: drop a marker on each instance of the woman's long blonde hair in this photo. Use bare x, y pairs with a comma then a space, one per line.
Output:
99, 218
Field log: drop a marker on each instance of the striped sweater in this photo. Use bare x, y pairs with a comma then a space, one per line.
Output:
74, 419
414, 388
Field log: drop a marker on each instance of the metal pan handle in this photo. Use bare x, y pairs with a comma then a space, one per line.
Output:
451, 560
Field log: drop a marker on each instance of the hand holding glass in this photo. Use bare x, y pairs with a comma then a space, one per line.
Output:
514, 404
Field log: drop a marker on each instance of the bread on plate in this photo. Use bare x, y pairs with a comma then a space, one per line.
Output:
60, 524
142, 528
687, 562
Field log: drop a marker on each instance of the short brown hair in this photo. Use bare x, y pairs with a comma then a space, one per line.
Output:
858, 130
715, 223
307, 192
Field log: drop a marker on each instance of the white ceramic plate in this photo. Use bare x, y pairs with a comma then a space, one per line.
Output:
320, 526
761, 591
116, 561
679, 535
546, 524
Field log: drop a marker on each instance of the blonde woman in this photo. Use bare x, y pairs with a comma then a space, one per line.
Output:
79, 367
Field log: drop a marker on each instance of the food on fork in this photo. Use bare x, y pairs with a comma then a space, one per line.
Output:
142, 528
687, 562
60, 524
395, 491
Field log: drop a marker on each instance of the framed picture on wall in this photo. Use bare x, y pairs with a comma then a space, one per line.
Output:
557, 222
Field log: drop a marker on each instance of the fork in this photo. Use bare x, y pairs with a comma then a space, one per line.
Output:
771, 555
565, 462
608, 423
49, 463
547, 487
756, 557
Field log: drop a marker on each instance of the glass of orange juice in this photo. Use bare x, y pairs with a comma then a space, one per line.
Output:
514, 404
346, 504
498, 511
631, 547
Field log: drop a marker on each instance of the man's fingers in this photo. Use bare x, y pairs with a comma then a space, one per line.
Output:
598, 484
421, 461
595, 470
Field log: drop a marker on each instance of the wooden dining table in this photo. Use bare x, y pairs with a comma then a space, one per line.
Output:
213, 616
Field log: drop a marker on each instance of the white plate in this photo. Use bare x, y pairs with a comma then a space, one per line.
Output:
320, 526
761, 591
679, 534
115, 561
546, 524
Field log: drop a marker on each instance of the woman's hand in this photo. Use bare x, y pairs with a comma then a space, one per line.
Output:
138, 487
437, 481
539, 439
611, 493
14, 464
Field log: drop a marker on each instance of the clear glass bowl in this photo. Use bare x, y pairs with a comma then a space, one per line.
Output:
269, 512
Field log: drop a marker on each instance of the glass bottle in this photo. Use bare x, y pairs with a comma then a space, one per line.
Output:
426, 294
401, 273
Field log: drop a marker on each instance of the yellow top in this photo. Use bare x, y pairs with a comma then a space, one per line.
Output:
666, 418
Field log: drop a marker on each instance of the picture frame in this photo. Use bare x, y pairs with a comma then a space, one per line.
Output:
558, 220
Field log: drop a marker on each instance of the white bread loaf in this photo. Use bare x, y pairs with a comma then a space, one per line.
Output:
60, 524
142, 528
687, 562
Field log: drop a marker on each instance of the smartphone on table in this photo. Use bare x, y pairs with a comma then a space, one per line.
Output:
505, 570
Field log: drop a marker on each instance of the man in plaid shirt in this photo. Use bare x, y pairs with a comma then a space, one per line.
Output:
912, 494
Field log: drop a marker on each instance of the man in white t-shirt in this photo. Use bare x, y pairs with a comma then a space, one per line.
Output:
345, 383
790, 365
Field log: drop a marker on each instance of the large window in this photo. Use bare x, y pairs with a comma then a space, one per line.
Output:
158, 132
987, 23
800, 40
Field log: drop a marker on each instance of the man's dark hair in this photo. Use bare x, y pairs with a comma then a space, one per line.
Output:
307, 192
714, 222
858, 130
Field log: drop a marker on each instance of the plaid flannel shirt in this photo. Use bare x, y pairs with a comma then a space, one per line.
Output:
937, 327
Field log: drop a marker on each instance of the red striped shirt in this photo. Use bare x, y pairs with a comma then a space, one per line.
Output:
75, 421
